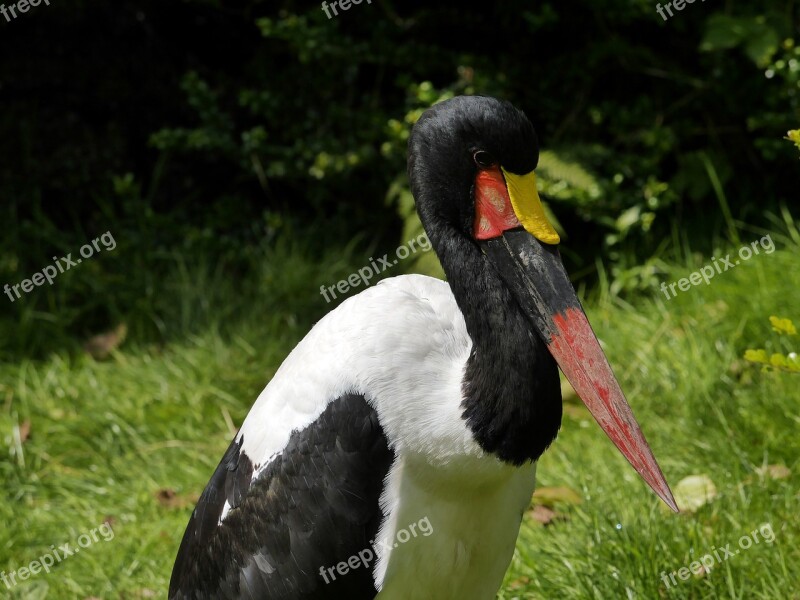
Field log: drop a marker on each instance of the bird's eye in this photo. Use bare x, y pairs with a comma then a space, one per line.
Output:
483, 159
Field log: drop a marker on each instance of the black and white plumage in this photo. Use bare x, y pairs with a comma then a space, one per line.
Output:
273, 527
416, 402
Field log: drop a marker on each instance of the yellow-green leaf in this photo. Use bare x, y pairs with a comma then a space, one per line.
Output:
794, 136
783, 325
774, 471
694, 491
756, 356
778, 360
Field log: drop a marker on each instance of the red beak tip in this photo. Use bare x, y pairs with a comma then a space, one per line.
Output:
575, 347
670, 501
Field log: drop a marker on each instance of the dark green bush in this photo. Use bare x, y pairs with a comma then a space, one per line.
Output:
204, 128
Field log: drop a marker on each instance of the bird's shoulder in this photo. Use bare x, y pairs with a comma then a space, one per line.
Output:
425, 292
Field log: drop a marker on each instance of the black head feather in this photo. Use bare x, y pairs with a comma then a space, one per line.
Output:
441, 149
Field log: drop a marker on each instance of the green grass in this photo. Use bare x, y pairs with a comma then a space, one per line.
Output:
134, 439
704, 412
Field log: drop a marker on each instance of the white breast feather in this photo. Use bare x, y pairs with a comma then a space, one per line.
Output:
403, 344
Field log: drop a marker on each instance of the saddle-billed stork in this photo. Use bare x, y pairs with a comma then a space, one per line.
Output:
418, 406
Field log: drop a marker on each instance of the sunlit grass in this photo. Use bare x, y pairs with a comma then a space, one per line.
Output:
704, 412
133, 440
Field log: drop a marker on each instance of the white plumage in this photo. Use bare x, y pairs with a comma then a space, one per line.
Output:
403, 344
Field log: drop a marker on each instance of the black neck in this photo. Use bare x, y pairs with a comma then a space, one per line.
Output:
512, 395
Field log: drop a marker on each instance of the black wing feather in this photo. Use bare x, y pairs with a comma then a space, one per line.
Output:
315, 505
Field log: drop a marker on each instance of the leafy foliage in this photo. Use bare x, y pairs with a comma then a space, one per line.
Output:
777, 361
652, 133
794, 136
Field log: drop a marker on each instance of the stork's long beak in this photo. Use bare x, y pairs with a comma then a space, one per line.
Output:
537, 277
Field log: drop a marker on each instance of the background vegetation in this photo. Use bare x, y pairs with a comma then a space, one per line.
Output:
243, 153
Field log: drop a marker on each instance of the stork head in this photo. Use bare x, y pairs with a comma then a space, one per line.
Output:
471, 166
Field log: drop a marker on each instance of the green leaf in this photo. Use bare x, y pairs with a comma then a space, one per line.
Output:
554, 169
756, 356
762, 43
628, 218
723, 32
693, 492
794, 136
784, 326
778, 360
